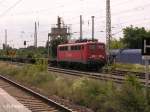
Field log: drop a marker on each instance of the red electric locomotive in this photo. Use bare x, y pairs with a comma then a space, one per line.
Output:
92, 54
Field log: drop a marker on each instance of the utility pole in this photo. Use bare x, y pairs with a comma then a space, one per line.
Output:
81, 34
5, 39
59, 22
48, 42
35, 36
108, 28
92, 28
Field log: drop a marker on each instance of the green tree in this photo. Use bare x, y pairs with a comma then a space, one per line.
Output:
32, 52
54, 43
116, 44
133, 37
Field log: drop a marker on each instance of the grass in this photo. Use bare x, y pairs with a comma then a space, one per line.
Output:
97, 95
131, 67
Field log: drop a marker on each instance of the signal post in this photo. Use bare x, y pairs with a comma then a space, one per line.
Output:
146, 58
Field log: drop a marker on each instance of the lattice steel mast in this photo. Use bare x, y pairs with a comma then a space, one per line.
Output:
35, 36
108, 27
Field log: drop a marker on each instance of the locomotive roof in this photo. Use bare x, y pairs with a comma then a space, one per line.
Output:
82, 43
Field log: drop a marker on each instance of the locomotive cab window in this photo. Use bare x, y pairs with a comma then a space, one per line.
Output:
92, 47
100, 46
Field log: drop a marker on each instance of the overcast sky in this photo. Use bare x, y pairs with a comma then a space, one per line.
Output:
18, 17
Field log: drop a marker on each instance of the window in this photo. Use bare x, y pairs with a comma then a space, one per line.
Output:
64, 48
77, 47
61, 48
82, 47
72, 48
100, 46
92, 47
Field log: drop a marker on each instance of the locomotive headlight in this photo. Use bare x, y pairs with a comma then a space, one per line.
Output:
93, 56
101, 56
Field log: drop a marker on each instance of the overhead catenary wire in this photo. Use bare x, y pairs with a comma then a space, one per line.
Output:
39, 11
104, 16
10, 8
99, 22
2, 1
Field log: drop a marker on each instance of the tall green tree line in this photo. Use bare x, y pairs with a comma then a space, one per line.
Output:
132, 38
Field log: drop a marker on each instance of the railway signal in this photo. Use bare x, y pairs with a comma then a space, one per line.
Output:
25, 43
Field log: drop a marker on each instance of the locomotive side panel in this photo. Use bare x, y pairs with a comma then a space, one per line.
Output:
74, 53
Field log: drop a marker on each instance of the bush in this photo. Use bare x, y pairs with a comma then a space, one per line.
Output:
41, 64
131, 97
93, 94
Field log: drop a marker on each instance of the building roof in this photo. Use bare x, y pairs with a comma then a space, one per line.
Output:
126, 51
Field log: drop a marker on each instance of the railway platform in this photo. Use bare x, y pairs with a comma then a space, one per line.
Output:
10, 104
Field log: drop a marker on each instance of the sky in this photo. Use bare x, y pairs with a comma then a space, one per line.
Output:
18, 17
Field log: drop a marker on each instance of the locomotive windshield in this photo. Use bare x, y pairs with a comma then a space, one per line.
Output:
92, 47
96, 46
101, 46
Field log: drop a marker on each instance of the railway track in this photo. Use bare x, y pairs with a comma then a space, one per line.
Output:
140, 75
99, 76
32, 100
116, 72
117, 76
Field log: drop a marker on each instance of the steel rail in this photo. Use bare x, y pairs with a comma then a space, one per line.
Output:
101, 76
45, 99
